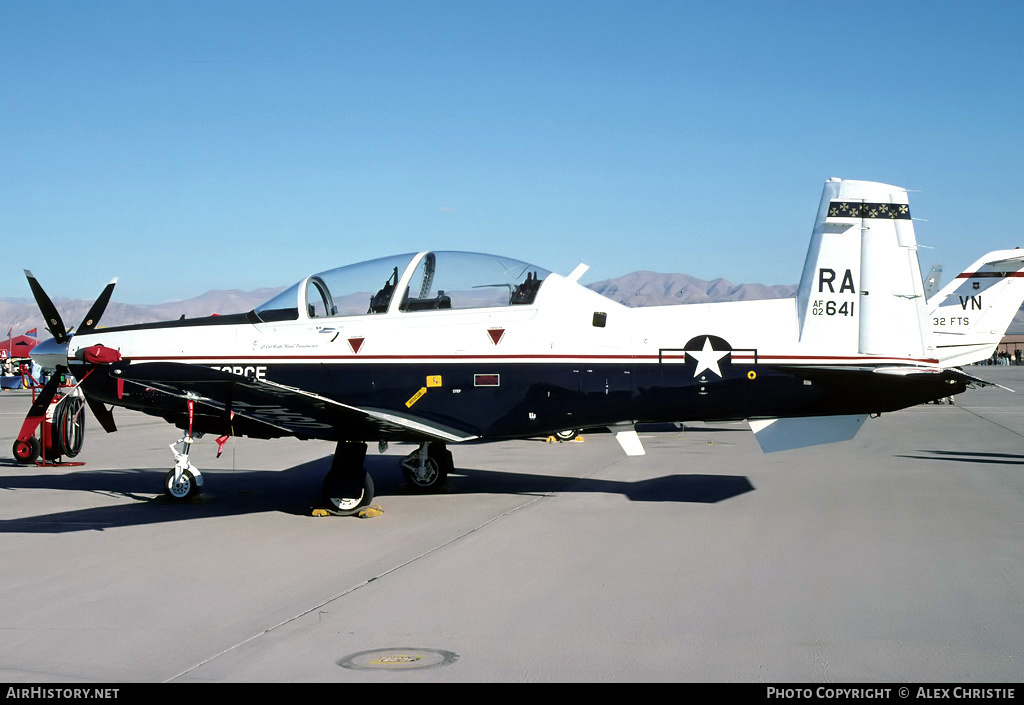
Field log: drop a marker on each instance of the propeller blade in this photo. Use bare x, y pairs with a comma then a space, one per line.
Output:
102, 414
54, 323
61, 335
45, 396
98, 307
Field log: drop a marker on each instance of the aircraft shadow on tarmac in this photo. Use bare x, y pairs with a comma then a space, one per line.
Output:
296, 491
962, 456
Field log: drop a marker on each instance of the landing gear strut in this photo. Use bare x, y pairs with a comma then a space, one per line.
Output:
347, 486
427, 468
183, 482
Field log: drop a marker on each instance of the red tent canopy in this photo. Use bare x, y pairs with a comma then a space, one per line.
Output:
21, 346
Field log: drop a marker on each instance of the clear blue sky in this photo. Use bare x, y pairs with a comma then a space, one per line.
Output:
183, 146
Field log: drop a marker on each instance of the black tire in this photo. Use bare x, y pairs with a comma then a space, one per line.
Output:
342, 506
69, 426
26, 452
435, 471
568, 434
183, 490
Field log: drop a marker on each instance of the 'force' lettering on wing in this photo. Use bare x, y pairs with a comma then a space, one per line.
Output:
278, 415
249, 372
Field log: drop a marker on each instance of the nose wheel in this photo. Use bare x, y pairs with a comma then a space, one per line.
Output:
183, 483
180, 487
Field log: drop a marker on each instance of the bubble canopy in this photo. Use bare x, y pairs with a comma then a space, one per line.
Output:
427, 281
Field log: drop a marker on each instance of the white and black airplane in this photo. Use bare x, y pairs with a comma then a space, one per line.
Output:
442, 348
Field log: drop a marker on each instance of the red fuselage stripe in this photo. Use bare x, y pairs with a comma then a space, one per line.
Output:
989, 275
677, 355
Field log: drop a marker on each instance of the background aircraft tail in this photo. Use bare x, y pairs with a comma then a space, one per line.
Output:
932, 281
861, 291
970, 315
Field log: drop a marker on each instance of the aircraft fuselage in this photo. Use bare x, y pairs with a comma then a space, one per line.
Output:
492, 374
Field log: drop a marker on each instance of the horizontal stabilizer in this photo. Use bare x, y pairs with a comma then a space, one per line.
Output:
973, 381
785, 434
907, 371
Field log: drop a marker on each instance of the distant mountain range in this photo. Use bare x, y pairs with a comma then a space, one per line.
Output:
23, 315
636, 289
654, 289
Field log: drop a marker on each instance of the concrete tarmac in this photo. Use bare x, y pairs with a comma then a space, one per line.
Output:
897, 556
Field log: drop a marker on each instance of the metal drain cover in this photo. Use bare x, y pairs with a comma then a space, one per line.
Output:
401, 658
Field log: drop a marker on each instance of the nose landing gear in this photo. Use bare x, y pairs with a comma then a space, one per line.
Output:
183, 483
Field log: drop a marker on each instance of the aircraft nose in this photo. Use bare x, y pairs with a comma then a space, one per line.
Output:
50, 354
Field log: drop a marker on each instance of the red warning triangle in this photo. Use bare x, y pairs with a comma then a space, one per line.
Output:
496, 334
355, 344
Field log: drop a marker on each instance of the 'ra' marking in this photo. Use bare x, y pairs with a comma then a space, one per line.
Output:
826, 277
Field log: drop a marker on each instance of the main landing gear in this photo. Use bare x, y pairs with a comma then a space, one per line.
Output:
348, 487
427, 468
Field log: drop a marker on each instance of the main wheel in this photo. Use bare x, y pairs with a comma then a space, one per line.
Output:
26, 452
182, 490
435, 470
568, 434
347, 506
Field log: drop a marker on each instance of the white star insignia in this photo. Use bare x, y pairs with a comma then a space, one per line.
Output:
707, 358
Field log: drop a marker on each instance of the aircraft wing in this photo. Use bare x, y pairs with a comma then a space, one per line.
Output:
290, 410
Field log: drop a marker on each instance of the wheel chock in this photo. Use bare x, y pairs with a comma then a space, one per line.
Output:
552, 439
364, 513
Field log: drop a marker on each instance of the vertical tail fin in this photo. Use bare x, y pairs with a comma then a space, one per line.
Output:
970, 315
861, 289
